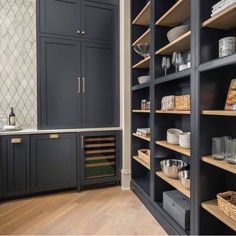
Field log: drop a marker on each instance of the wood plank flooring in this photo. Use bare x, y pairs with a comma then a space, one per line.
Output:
108, 211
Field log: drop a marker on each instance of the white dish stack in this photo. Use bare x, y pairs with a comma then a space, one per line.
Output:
221, 5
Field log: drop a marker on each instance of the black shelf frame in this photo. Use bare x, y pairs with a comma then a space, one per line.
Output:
205, 67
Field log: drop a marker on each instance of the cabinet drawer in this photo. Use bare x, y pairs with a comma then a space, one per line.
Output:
15, 162
53, 165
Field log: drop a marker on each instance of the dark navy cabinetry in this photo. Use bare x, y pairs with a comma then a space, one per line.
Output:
78, 61
53, 162
15, 165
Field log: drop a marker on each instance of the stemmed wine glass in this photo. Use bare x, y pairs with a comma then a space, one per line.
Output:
165, 64
177, 60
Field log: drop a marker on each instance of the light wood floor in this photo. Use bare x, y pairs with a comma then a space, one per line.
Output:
95, 212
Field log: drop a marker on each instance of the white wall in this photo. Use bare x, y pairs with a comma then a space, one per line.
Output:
125, 89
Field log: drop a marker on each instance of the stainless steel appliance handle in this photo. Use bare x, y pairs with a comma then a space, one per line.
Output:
83, 79
82, 142
79, 87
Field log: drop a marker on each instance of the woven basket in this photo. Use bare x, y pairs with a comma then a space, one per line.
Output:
227, 203
182, 103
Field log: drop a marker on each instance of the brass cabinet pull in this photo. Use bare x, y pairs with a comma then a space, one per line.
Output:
54, 136
16, 140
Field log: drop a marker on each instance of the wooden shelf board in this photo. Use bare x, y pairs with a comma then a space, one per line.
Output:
144, 138
145, 164
181, 44
212, 208
218, 113
141, 111
141, 86
99, 158
175, 148
173, 112
100, 164
220, 164
143, 18
174, 182
176, 14
144, 38
224, 20
143, 64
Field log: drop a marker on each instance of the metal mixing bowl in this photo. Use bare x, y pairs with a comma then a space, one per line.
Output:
184, 177
172, 167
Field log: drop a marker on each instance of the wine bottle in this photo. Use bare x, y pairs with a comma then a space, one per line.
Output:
12, 118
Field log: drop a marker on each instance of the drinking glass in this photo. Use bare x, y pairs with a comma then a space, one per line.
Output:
218, 148
3, 121
165, 64
228, 146
179, 60
231, 158
188, 59
174, 60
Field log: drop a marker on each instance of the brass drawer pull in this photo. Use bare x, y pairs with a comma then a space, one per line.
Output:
16, 140
54, 136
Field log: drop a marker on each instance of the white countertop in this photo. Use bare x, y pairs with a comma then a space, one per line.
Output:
36, 131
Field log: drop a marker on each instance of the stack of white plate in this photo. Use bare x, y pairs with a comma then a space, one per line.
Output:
221, 5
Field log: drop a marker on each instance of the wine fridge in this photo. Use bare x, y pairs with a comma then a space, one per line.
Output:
100, 157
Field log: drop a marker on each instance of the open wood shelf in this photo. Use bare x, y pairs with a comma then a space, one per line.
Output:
212, 208
220, 164
181, 44
224, 20
175, 148
141, 111
174, 182
218, 113
144, 38
176, 14
143, 64
143, 18
173, 112
145, 164
141, 137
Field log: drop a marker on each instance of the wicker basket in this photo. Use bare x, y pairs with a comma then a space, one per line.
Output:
227, 203
182, 103
144, 154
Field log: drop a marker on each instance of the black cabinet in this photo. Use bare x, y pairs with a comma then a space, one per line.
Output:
60, 17
99, 21
99, 157
99, 86
60, 83
15, 165
78, 61
53, 162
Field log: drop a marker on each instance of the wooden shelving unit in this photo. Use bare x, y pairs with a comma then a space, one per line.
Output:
212, 208
220, 164
175, 148
143, 64
144, 38
141, 137
145, 164
181, 44
174, 182
141, 111
224, 20
143, 18
219, 113
175, 15
173, 112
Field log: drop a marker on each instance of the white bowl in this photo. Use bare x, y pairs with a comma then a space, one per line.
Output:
173, 136
176, 32
144, 79
184, 140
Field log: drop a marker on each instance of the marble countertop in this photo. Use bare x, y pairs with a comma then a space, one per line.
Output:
36, 131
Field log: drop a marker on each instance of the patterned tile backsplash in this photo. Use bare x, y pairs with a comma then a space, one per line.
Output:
18, 61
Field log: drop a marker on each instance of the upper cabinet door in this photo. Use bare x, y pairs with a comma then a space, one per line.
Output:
99, 21
100, 92
59, 84
60, 17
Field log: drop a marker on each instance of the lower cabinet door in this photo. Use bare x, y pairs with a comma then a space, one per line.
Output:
15, 165
53, 162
